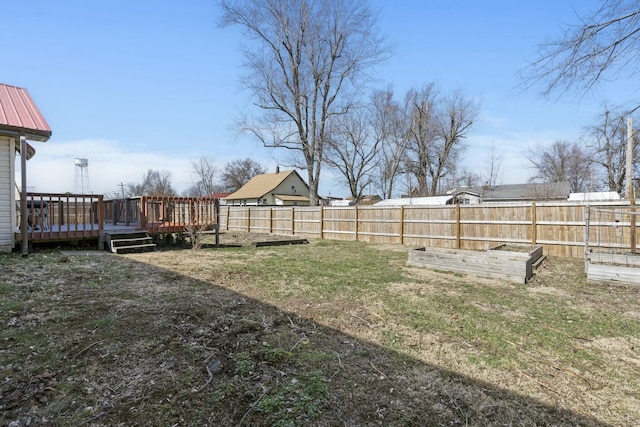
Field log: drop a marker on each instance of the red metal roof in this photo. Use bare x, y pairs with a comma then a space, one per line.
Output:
19, 113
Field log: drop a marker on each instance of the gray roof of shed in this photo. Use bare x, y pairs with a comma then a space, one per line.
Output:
533, 191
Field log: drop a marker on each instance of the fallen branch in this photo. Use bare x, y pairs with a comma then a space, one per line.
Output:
339, 361
539, 383
292, 324
379, 371
197, 390
567, 335
378, 316
88, 420
360, 318
301, 340
253, 405
87, 348
591, 387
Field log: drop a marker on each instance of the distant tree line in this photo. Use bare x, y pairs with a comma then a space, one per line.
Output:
603, 47
207, 179
594, 163
308, 65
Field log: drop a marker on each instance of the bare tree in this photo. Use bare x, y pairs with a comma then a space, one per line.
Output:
238, 172
438, 126
603, 45
563, 162
154, 183
204, 171
455, 119
494, 163
353, 150
307, 59
420, 106
389, 127
607, 145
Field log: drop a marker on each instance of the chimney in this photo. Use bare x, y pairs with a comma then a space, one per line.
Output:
277, 169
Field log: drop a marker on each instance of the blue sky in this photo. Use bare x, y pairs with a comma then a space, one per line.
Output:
133, 85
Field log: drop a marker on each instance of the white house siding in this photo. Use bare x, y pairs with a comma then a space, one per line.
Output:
292, 186
7, 194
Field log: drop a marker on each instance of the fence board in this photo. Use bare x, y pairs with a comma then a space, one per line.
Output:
559, 227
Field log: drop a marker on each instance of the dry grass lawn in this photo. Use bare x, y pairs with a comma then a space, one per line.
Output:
325, 334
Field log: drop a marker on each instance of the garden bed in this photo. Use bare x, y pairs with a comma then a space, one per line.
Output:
510, 262
614, 268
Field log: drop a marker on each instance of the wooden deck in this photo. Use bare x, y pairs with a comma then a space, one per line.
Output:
76, 217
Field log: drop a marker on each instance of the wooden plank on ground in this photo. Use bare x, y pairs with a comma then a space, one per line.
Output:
280, 242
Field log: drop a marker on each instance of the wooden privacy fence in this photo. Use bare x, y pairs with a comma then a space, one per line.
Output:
558, 227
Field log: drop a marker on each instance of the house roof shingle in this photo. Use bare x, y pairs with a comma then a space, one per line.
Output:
260, 185
533, 191
18, 113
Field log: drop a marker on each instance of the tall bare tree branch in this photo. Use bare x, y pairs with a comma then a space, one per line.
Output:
306, 61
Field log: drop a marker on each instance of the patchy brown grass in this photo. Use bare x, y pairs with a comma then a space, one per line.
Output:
331, 333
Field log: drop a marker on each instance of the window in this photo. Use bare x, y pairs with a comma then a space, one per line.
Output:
293, 188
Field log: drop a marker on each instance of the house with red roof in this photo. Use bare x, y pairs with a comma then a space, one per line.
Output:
20, 120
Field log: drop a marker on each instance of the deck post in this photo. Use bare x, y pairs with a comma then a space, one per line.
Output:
100, 220
143, 212
23, 196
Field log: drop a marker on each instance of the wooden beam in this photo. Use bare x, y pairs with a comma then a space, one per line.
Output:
401, 225
23, 196
457, 230
534, 225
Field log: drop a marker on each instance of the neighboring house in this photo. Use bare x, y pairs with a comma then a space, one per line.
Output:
535, 192
220, 196
598, 196
546, 192
19, 117
417, 201
285, 188
342, 203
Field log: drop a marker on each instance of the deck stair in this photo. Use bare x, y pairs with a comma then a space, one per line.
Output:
129, 242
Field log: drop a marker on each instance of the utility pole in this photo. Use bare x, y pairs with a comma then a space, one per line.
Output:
629, 186
121, 185
628, 172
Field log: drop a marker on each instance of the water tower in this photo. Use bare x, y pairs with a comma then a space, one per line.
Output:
82, 175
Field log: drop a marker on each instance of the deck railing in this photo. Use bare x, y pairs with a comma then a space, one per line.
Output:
53, 216
162, 214
81, 216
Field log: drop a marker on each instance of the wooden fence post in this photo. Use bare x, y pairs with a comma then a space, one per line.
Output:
458, 226
321, 222
632, 227
402, 224
356, 223
270, 220
248, 219
534, 225
293, 220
